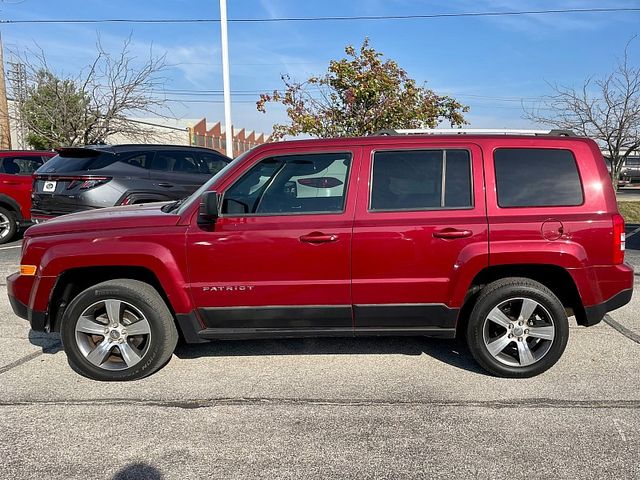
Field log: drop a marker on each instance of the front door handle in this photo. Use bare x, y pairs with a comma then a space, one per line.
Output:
318, 237
165, 185
10, 182
452, 233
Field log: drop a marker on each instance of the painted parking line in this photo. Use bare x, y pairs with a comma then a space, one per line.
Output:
12, 246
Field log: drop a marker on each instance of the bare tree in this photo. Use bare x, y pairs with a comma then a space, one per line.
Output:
606, 109
87, 108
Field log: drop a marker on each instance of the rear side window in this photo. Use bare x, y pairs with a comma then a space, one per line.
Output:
20, 165
174, 161
537, 177
421, 180
212, 163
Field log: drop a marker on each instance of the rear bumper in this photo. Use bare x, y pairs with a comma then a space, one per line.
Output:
595, 313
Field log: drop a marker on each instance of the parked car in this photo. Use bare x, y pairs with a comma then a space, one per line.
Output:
630, 172
496, 237
93, 177
16, 168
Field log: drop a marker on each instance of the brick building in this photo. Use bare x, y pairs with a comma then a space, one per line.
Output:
215, 138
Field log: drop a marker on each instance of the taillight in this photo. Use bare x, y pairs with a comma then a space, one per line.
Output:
85, 183
618, 239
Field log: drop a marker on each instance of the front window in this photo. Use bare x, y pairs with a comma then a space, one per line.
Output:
291, 184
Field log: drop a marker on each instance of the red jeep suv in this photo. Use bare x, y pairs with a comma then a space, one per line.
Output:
16, 168
498, 237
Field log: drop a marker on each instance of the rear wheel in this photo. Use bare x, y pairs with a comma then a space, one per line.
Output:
8, 225
518, 328
118, 330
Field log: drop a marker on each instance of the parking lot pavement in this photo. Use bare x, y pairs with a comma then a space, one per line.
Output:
322, 408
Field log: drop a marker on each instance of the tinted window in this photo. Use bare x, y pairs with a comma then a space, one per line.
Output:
537, 177
175, 161
211, 163
291, 184
137, 159
21, 165
88, 161
413, 180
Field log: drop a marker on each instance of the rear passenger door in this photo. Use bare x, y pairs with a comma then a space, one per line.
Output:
420, 232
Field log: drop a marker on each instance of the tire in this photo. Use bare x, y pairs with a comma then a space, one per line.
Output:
137, 344
531, 314
8, 225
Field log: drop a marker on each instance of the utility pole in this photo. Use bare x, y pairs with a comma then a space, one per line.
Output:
5, 131
225, 78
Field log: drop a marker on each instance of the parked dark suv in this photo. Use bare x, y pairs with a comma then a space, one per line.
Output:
104, 176
497, 237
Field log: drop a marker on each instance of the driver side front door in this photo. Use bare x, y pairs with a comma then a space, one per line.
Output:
277, 261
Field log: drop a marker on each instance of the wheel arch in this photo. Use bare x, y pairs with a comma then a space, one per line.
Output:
9, 203
73, 281
554, 277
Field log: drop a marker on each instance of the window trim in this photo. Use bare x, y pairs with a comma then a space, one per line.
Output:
290, 214
443, 191
575, 162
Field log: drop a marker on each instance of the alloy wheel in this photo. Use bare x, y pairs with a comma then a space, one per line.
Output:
518, 332
113, 334
5, 225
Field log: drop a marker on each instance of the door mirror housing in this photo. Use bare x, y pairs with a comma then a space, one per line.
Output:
208, 208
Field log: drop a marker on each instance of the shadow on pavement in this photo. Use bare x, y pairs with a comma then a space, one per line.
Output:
138, 471
452, 352
49, 342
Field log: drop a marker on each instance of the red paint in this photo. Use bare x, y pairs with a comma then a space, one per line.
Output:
355, 257
17, 188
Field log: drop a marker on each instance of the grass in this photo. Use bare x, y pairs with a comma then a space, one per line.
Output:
630, 211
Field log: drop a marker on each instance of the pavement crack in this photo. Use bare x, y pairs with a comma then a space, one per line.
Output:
27, 358
537, 403
622, 329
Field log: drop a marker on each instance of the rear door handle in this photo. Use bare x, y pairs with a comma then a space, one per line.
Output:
9, 182
452, 233
317, 237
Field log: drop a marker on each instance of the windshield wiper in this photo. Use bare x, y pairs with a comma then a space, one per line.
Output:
173, 206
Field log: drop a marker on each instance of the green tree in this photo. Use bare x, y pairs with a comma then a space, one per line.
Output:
360, 95
56, 111
98, 102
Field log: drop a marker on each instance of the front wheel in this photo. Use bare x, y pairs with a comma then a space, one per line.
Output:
8, 225
118, 330
517, 328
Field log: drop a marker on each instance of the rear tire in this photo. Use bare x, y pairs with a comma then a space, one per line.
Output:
8, 225
518, 328
118, 330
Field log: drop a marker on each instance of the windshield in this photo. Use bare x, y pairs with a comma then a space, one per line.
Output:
195, 196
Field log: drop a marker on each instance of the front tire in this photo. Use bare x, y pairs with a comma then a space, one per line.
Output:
8, 225
118, 330
518, 328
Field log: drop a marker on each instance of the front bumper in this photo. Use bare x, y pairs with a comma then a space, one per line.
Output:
36, 318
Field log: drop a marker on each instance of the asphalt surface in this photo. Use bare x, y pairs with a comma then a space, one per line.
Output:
323, 408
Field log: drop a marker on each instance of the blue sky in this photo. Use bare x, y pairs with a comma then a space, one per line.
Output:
487, 63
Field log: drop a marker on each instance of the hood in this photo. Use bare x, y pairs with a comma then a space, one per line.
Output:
130, 216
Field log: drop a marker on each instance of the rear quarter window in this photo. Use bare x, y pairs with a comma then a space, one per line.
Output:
537, 177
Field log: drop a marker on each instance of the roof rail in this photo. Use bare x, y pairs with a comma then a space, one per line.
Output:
473, 131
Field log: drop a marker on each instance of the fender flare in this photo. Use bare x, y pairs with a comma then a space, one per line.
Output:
151, 256
15, 206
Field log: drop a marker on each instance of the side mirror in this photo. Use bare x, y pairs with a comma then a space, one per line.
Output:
208, 208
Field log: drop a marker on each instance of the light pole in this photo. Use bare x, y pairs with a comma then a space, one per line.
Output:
225, 78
